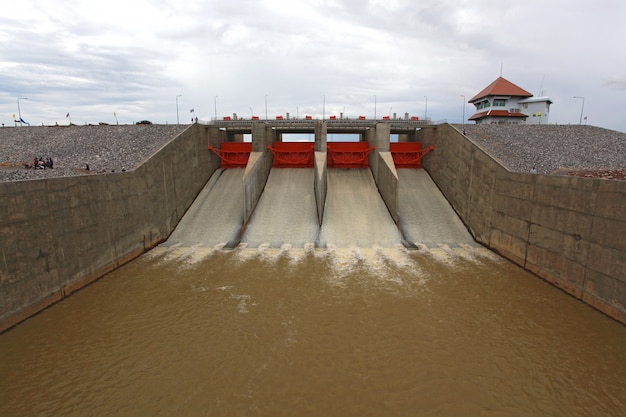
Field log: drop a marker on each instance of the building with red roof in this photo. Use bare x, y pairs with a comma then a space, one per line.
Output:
503, 102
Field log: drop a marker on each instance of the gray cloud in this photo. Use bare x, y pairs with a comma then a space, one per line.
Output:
302, 53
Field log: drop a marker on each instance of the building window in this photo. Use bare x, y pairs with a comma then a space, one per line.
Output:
499, 102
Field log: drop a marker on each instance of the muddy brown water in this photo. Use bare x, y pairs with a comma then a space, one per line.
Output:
277, 327
308, 332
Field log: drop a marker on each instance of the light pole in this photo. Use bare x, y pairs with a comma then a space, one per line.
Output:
580, 122
426, 109
266, 107
19, 112
177, 119
215, 106
324, 108
463, 120
374, 106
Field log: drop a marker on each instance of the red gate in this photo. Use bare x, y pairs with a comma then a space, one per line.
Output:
348, 154
408, 154
293, 154
233, 154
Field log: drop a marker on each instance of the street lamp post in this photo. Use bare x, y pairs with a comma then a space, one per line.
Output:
463, 120
177, 119
426, 109
580, 122
215, 106
374, 106
19, 112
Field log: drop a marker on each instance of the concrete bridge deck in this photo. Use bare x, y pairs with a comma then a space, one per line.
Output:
332, 125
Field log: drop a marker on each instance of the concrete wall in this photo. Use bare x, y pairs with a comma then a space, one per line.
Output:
567, 230
258, 168
60, 234
382, 167
388, 183
320, 183
379, 138
321, 136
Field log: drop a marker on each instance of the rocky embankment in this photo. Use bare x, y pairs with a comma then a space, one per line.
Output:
576, 150
79, 150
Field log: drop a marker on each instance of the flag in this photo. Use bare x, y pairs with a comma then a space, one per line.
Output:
67, 115
191, 111
23, 121
585, 117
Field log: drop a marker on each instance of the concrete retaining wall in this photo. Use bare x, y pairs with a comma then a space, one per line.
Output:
567, 230
60, 234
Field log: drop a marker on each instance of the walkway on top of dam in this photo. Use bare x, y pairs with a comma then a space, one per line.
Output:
333, 125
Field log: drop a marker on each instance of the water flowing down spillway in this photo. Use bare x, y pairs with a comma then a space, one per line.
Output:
216, 216
355, 214
425, 216
286, 212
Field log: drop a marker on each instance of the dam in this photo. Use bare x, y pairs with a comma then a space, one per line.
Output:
247, 293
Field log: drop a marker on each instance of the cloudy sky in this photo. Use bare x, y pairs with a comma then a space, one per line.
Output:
138, 58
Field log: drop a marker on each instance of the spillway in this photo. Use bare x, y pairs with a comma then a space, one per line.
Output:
216, 216
286, 212
355, 214
425, 216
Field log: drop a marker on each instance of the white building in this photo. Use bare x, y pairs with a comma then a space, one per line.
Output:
504, 102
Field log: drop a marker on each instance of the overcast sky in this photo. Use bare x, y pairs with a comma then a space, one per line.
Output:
134, 57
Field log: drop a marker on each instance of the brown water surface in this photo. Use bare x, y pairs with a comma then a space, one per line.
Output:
297, 332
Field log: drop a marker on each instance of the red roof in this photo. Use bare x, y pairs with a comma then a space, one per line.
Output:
501, 87
496, 113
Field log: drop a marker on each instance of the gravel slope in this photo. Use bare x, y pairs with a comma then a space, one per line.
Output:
104, 148
552, 149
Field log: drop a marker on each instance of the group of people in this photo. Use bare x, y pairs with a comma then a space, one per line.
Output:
43, 164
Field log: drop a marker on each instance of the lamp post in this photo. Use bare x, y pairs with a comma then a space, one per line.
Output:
177, 119
215, 106
426, 109
19, 112
374, 106
580, 122
463, 120
266, 107
324, 108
